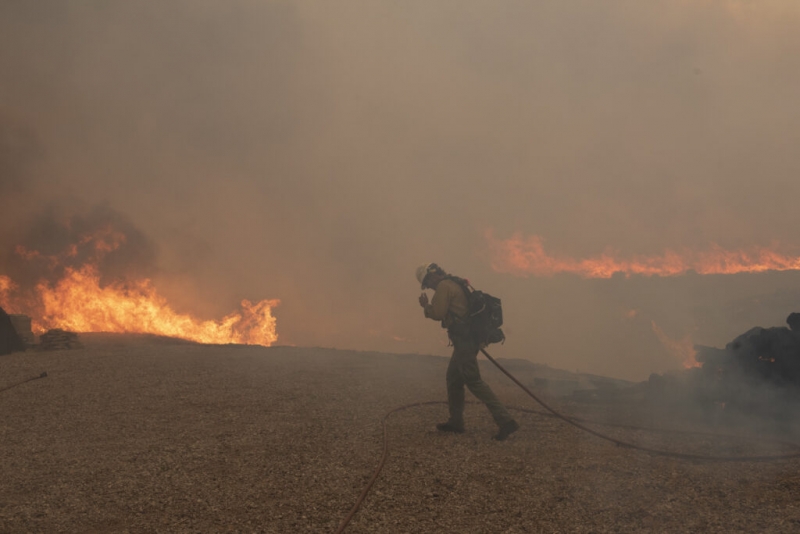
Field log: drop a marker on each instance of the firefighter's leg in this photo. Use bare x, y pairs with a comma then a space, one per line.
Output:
455, 392
471, 376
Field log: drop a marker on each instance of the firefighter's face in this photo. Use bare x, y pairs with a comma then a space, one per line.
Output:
432, 280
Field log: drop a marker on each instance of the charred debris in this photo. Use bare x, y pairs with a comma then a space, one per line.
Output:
16, 335
757, 373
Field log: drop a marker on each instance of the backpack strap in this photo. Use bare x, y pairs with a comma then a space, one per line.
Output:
467, 289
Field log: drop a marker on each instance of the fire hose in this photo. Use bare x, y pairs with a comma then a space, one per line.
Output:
43, 375
574, 421
570, 420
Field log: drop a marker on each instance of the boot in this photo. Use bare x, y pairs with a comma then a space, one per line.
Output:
450, 427
506, 429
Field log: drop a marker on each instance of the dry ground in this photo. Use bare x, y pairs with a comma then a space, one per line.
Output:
138, 434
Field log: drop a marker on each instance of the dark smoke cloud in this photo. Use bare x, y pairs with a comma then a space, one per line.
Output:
19, 148
317, 152
52, 235
34, 222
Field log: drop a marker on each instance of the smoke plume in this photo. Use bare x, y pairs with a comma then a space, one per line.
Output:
317, 153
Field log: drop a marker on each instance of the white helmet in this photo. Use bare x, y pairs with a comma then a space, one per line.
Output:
424, 270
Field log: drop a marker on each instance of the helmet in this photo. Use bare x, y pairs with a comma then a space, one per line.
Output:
424, 270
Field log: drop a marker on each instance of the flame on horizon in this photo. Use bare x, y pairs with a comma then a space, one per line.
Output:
77, 301
524, 257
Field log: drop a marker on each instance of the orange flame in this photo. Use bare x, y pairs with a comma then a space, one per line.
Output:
526, 257
6, 286
681, 349
78, 302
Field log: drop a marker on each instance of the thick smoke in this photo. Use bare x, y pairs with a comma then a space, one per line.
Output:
19, 148
42, 235
317, 153
58, 239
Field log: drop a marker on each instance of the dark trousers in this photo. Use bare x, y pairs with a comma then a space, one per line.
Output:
463, 371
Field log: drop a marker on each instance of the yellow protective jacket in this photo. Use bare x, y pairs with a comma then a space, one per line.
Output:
448, 300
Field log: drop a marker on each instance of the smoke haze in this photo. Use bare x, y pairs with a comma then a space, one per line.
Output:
317, 152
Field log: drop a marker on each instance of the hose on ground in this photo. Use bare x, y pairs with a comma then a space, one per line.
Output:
626, 444
43, 375
572, 421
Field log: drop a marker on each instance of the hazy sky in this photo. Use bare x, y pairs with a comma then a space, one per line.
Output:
317, 152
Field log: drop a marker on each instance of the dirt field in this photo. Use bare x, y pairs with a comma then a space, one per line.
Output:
138, 434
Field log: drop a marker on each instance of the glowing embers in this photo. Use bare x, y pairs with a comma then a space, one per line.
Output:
76, 300
522, 256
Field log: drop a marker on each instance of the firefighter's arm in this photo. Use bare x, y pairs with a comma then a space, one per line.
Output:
439, 306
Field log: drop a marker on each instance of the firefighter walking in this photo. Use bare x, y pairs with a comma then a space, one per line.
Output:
450, 306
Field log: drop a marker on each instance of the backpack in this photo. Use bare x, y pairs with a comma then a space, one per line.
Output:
485, 315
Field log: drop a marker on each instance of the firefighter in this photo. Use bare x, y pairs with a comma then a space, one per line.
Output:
450, 306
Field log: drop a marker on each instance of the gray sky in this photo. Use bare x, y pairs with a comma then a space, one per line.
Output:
317, 152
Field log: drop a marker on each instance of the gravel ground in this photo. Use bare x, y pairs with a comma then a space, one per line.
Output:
141, 434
